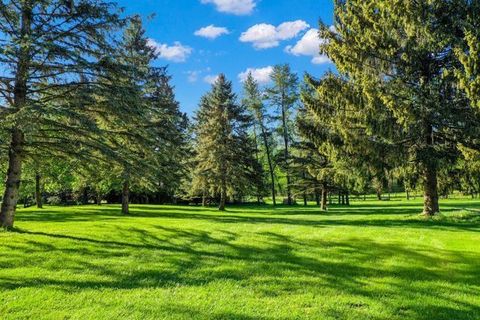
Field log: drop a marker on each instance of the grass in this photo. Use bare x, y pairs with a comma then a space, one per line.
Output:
373, 260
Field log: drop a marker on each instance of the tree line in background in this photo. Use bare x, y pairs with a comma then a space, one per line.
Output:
86, 117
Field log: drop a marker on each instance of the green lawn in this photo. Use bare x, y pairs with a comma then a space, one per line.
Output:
370, 261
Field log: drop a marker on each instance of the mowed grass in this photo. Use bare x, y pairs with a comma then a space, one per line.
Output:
373, 260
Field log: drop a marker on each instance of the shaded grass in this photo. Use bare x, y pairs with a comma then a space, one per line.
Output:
374, 260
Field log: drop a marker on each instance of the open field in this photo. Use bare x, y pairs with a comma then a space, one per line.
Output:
373, 260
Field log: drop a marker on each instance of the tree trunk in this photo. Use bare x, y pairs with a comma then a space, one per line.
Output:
317, 196
15, 152
38, 190
270, 164
223, 200
98, 199
430, 184
430, 193
286, 154
347, 198
204, 198
125, 197
305, 200
12, 184
379, 195
324, 199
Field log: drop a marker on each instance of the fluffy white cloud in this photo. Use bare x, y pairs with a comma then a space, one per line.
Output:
264, 36
309, 45
237, 7
176, 52
261, 75
210, 79
211, 32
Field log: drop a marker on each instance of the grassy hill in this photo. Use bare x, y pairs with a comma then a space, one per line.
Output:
373, 260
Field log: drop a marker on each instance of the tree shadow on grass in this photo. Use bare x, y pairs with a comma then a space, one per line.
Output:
274, 265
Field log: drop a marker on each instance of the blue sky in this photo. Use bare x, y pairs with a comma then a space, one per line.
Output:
238, 35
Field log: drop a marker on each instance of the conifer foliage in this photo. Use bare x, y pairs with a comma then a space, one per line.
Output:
49, 51
224, 150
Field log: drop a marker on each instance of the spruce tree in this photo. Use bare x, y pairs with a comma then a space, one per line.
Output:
399, 56
223, 152
49, 49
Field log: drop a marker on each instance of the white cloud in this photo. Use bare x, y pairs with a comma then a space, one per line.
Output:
309, 45
264, 36
237, 7
211, 32
261, 75
192, 76
210, 79
176, 52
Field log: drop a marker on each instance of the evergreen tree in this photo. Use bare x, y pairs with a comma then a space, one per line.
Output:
223, 152
283, 95
253, 101
398, 56
49, 49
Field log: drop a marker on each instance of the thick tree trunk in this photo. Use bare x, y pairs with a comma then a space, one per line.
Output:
430, 192
12, 183
125, 197
15, 153
317, 196
270, 164
324, 199
379, 195
347, 198
38, 190
98, 199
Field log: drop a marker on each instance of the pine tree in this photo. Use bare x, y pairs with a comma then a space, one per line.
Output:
283, 95
223, 152
398, 56
253, 101
48, 50
314, 172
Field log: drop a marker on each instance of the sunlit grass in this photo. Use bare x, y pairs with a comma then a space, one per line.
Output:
374, 260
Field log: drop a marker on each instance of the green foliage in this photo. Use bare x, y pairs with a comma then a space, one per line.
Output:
224, 150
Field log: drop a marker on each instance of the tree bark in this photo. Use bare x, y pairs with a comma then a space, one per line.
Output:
12, 183
317, 196
379, 195
430, 192
98, 199
287, 154
38, 190
125, 197
270, 164
15, 152
204, 198
430, 184
223, 199
323, 206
